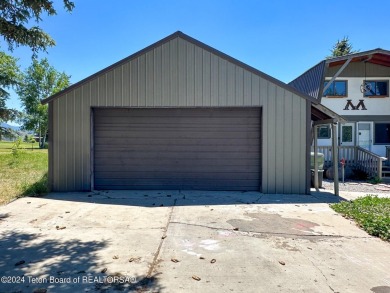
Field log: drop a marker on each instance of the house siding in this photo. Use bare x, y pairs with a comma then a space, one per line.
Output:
179, 73
359, 69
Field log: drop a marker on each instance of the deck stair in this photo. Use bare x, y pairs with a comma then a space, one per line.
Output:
386, 173
375, 166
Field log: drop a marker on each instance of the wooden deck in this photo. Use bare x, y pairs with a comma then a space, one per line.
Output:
358, 158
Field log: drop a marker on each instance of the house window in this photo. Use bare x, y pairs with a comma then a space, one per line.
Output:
382, 133
338, 88
347, 134
376, 88
323, 132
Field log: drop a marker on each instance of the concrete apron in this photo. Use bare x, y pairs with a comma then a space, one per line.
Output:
186, 241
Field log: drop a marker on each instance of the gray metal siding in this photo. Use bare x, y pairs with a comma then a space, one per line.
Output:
180, 74
204, 149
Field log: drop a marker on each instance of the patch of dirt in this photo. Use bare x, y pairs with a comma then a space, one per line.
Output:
381, 289
357, 186
275, 224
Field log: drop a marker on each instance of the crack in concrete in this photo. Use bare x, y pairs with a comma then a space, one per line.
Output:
157, 253
270, 233
322, 273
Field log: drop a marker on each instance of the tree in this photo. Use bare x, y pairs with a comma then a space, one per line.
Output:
39, 81
342, 48
9, 77
16, 15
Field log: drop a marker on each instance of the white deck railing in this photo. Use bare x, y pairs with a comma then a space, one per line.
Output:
355, 156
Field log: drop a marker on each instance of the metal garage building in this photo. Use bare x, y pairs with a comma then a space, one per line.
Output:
180, 115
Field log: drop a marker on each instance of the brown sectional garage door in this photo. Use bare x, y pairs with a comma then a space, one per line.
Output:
203, 149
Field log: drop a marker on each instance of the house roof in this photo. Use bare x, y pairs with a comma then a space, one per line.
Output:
320, 112
312, 81
179, 34
377, 56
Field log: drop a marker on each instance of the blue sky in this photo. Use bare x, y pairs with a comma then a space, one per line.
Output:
280, 38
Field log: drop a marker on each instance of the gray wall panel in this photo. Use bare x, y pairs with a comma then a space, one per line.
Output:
117, 86
174, 81
190, 75
206, 79
247, 88
287, 138
255, 91
302, 152
134, 83
279, 140
271, 139
149, 79
297, 148
141, 98
182, 79
180, 74
70, 141
157, 77
85, 136
214, 81
110, 92
78, 157
222, 81
198, 81
239, 92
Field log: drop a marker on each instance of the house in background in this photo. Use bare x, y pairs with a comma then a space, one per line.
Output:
355, 86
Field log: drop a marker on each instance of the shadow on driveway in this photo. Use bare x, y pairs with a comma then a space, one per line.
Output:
158, 198
44, 262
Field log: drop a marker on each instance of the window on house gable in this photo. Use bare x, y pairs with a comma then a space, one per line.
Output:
376, 88
323, 132
337, 88
382, 133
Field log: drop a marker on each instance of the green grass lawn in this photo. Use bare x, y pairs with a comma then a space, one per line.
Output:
23, 173
371, 213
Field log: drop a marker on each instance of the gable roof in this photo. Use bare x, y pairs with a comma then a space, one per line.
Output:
376, 56
187, 38
311, 82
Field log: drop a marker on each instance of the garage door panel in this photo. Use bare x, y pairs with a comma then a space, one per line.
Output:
206, 127
180, 134
148, 149
164, 186
177, 141
178, 163
177, 175
169, 155
153, 168
211, 149
203, 184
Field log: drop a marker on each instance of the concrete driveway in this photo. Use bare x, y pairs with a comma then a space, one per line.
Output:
186, 241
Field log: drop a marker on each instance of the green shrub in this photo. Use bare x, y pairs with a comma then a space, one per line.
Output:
16, 147
375, 180
372, 213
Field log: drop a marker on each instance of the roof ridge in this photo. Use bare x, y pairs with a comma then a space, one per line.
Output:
195, 42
